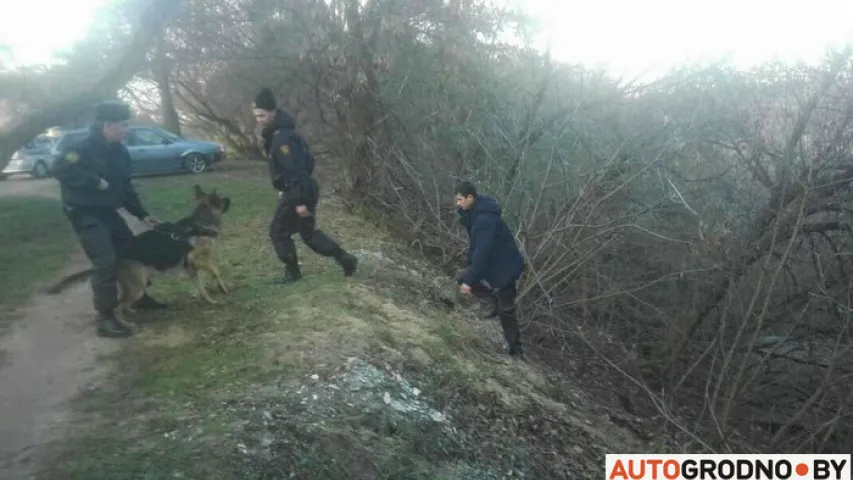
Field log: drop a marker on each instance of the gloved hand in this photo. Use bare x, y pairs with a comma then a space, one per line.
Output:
151, 221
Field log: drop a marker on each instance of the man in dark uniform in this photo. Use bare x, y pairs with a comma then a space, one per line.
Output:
494, 261
291, 167
94, 178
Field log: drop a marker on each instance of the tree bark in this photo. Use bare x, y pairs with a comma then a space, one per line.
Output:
162, 75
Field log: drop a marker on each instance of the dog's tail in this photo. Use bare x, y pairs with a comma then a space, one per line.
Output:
66, 282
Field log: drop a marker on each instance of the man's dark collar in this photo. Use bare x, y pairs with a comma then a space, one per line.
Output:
97, 132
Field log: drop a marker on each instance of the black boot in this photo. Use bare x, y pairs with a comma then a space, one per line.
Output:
292, 273
109, 327
348, 262
148, 303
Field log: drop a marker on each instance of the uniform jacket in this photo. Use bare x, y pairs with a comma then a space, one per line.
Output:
492, 254
289, 165
80, 168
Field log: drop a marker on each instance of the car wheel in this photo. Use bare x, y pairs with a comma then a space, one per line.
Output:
40, 170
195, 163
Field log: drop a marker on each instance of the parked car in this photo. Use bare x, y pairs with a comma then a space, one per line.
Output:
155, 151
33, 159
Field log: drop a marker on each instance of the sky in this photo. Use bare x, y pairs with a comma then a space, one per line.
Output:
35, 28
647, 37
628, 37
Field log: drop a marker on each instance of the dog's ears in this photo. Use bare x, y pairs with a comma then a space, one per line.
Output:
226, 204
199, 193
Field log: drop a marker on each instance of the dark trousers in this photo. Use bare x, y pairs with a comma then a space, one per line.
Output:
286, 222
104, 235
504, 300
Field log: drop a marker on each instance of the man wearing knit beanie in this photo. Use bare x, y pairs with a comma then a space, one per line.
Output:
291, 167
94, 181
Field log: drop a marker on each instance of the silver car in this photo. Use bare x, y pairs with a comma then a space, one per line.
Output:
33, 159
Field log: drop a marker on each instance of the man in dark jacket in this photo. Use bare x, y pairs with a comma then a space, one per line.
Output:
94, 178
494, 261
291, 168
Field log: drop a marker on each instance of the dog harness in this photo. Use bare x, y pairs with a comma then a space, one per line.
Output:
185, 232
167, 245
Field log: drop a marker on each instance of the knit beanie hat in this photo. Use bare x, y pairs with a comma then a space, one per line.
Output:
112, 111
265, 100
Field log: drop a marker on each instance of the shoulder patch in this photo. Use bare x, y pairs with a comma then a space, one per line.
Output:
284, 149
72, 157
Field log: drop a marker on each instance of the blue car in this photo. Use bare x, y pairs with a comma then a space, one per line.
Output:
156, 151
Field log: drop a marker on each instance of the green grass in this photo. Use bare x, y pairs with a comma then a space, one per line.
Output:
197, 380
37, 240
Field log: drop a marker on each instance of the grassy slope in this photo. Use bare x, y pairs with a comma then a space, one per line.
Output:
36, 241
236, 390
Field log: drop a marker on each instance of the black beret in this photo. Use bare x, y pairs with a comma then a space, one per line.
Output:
112, 111
265, 100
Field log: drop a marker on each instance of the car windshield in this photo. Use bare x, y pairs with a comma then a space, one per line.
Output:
170, 134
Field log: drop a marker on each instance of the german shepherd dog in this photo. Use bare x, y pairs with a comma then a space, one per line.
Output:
187, 245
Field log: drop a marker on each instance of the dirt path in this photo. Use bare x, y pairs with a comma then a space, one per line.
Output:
17, 186
48, 356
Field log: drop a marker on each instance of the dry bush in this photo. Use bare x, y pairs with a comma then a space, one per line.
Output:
677, 224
